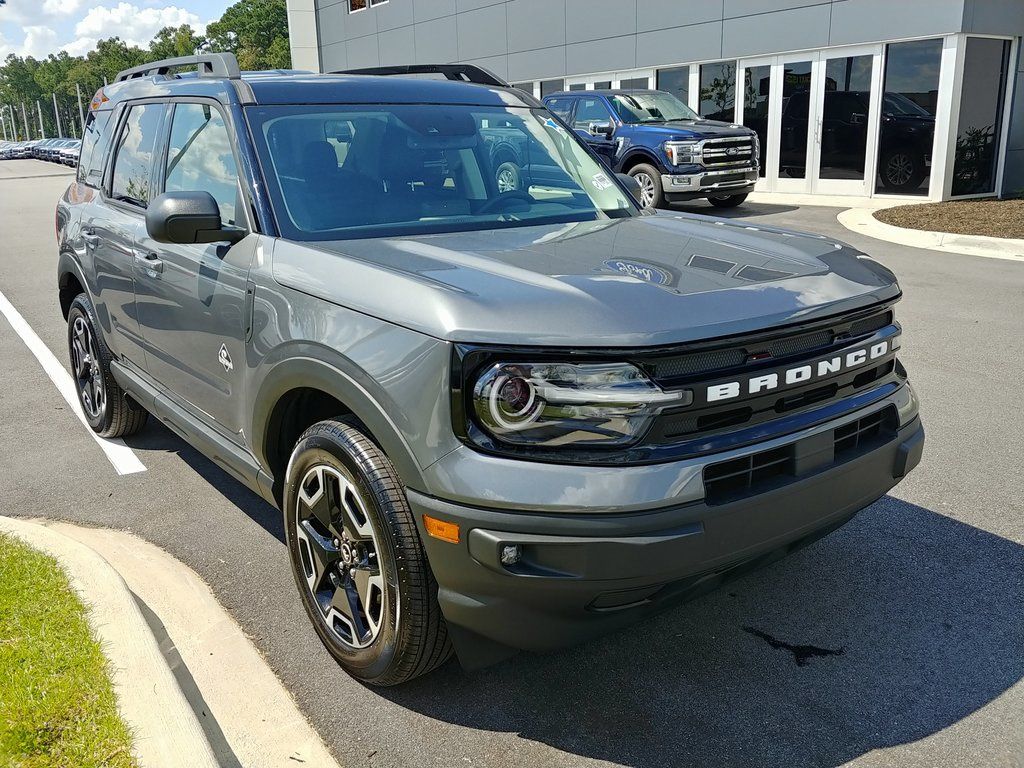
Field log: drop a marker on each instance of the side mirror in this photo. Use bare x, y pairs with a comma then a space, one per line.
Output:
632, 186
188, 217
602, 129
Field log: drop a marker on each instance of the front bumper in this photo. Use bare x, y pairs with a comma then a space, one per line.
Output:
582, 575
732, 181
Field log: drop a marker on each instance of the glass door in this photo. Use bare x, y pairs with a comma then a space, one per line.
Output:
794, 96
754, 110
845, 117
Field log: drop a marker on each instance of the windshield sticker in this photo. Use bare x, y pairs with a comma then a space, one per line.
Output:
550, 123
600, 181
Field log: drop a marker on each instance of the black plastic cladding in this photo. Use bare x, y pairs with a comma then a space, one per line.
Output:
855, 389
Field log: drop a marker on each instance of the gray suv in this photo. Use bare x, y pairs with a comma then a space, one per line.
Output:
493, 419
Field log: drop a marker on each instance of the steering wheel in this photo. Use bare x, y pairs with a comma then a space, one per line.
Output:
504, 197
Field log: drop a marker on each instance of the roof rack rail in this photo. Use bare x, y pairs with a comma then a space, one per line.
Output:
207, 64
467, 73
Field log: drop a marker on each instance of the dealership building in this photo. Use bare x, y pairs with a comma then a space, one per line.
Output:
865, 98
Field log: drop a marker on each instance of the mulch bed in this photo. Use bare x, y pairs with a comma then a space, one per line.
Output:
992, 218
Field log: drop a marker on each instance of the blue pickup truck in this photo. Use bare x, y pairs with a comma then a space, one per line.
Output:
672, 153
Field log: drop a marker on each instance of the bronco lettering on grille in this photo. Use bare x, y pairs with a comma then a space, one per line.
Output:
800, 373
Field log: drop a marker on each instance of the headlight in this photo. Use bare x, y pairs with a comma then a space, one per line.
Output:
683, 152
567, 404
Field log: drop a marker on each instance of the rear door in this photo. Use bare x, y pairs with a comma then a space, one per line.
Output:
112, 224
192, 298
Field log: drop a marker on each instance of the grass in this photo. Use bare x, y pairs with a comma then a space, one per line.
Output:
57, 704
992, 218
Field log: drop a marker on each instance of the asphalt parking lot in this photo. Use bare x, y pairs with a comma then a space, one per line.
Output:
898, 640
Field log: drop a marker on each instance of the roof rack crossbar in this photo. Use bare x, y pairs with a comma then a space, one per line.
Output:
207, 64
467, 73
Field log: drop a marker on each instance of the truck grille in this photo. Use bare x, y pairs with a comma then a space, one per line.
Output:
730, 152
735, 479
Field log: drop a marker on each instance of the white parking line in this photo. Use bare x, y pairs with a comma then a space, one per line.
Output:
122, 457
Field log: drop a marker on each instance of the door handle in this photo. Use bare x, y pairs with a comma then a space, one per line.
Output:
149, 261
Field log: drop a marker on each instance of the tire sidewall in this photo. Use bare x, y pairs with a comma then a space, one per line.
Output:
375, 659
508, 165
659, 194
82, 307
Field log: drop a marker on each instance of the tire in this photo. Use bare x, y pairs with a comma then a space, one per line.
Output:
728, 201
649, 179
901, 168
109, 410
357, 558
508, 177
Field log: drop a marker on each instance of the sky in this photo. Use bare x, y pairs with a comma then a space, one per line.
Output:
40, 27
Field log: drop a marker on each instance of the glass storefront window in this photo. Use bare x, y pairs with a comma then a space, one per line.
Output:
578, 87
909, 100
796, 113
718, 91
635, 83
756, 92
986, 68
674, 80
547, 87
602, 85
844, 124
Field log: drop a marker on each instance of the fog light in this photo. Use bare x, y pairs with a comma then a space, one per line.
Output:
682, 181
511, 554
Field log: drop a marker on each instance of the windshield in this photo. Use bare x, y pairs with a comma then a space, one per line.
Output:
651, 107
374, 171
898, 104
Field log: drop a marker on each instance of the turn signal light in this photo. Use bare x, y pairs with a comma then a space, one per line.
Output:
441, 529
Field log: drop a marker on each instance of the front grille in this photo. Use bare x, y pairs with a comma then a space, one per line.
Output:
730, 152
745, 476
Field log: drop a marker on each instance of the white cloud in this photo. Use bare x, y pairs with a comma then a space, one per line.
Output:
39, 42
134, 25
61, 7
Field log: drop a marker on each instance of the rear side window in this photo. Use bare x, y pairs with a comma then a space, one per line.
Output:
133, 158
95, 140
199, 158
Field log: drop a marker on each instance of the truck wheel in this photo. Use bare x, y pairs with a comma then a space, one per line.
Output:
649, 179
727, 201
507, 177
357, 558
109, 411
901, 169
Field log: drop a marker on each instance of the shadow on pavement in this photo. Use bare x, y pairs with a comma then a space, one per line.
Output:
889, 630
156, 437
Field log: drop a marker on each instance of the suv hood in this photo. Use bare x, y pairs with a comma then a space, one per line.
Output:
642, 281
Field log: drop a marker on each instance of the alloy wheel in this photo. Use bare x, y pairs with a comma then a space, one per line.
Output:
899, 169
646, 188
507, 180
86, 365
340, 556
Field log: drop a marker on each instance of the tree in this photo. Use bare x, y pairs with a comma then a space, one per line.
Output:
256, 31
172, 42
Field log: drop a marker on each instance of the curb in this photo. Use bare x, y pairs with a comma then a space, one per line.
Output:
862, 221
218, 701
165, 731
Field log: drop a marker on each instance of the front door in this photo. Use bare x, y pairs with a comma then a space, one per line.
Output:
192, 298
593, 121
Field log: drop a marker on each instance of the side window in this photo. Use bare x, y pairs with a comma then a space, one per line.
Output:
591, 111
133, 157
95, 139
561, 107
199, 158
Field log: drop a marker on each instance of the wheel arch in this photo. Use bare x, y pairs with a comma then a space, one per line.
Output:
637, 157
297, 393
70, 281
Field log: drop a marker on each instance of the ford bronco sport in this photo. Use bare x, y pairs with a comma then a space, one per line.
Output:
493, 420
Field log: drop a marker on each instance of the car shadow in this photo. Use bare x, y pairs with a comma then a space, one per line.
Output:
891, 629
704, 208
157, 437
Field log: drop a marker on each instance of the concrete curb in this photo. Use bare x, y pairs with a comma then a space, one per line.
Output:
862, 221
165, 730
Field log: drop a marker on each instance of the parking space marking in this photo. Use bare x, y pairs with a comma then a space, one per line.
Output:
123, 458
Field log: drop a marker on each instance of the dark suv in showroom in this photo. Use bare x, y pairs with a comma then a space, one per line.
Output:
493, 419
673, 154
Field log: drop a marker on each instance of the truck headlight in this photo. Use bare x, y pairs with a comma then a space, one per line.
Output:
567, 404
683, 152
